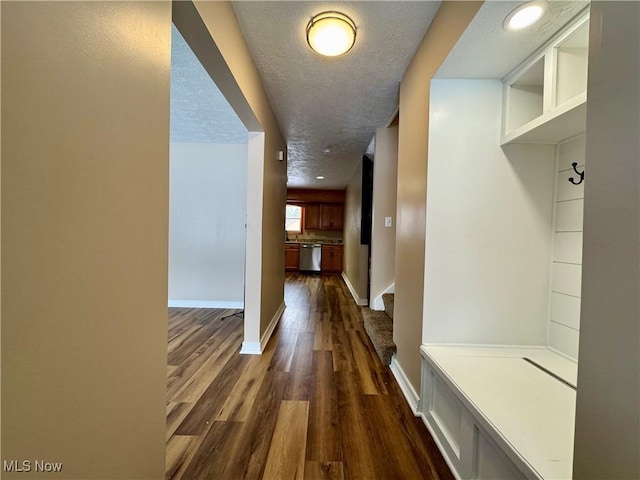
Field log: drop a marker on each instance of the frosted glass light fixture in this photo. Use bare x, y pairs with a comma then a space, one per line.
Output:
331, 34
525, 15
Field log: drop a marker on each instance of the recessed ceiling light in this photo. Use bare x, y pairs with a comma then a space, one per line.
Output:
331, 34
320, 177
525, 15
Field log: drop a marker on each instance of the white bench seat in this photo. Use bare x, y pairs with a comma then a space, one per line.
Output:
495, 414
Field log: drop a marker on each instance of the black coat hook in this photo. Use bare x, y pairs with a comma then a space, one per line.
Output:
574, 165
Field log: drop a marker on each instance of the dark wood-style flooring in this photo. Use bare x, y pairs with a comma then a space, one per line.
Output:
318, 404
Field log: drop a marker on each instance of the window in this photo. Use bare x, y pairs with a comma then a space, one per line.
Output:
293, 219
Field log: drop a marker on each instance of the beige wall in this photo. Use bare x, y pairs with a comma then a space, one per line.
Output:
85, 152
355, 261
383, 239
235, 74
607, 439
450, 22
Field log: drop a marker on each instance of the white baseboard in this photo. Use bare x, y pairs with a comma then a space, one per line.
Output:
204, 304
256, 348
354, 294
377, 303
407, 389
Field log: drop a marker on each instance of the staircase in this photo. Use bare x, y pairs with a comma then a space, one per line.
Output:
379, 327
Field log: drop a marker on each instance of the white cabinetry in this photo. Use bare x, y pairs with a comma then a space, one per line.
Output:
545, 97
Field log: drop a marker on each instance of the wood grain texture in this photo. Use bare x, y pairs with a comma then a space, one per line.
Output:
288, 445
318, 404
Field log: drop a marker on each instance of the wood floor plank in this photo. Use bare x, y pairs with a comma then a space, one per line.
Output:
186, 372
371, 381
250, 452
176, 412
241, 399
314, 470
210, 403
323, 438
299, 385
286, 457
209, 460
180, 451
322, 337
359, 453
194, 386
343, 360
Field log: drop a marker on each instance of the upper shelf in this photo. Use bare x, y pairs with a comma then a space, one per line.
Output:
545, 97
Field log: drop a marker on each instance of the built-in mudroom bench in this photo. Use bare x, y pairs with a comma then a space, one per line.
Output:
503, 257
500, 412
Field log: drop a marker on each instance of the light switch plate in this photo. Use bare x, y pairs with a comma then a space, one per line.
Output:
388, 222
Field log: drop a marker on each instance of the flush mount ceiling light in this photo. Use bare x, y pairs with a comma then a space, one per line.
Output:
331, 34
525, 15
320, 177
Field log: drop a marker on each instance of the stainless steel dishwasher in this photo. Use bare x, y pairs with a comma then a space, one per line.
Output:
310, 257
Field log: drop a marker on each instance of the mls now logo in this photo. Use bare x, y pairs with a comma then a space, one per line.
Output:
28, 466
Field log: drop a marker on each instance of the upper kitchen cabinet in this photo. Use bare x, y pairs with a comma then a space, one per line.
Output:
331, 215
312, 216
545, 97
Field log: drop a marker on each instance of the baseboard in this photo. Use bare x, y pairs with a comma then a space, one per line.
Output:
378, 303
354, 294
407, 389
256, 348
204, 304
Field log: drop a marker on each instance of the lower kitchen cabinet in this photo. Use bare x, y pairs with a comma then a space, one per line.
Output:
331, 258
291, 257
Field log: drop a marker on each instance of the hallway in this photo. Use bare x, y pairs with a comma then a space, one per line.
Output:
317, 404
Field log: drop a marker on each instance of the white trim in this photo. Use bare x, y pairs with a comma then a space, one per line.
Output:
409, 392
250, 348
443, 451
205, 304
256, 348
378, 304
354, 293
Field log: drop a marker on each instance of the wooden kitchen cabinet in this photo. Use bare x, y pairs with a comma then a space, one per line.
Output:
332, 258
291, 257
312, 216
331, 216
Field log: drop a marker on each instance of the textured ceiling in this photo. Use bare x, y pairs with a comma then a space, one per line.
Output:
486, 50
199, 112
332, 102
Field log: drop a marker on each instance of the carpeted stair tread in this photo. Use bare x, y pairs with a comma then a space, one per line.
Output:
388, 299
379, 327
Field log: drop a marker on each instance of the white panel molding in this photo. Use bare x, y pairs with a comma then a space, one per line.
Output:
567, 279
569, 215
256, 348
205, 304
410, 394
441, 446
354, 294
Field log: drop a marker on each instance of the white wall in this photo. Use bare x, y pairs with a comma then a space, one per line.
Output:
608, 398
208, 184
383, 239
566, 270
489, 217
